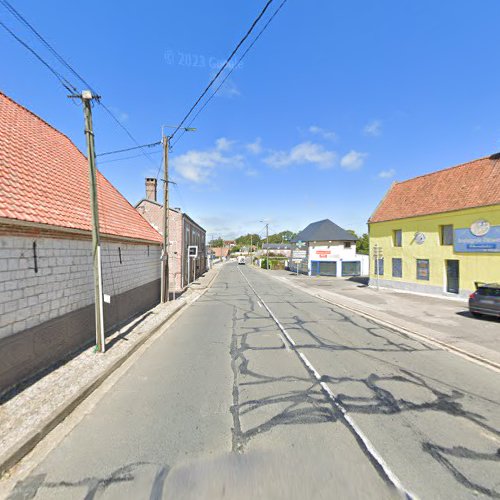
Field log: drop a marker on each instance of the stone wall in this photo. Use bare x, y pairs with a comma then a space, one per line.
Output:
47, 295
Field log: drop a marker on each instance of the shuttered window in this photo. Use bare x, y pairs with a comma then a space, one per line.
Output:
351, 268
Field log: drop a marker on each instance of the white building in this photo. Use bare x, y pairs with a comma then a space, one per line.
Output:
325, 249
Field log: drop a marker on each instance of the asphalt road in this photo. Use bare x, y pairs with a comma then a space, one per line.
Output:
259, 390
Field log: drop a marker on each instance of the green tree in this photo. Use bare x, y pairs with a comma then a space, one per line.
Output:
282, 237
362, 244
219, 242
247, 239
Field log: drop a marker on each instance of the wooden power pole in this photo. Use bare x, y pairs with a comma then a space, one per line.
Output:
165, 269
267, 241
86, 98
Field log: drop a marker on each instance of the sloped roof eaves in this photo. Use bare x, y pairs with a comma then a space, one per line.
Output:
469, 185
324, 230
44, 180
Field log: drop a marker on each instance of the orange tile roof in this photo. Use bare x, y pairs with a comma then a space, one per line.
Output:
44, 179
473, 184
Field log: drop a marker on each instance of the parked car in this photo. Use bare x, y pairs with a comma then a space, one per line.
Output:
241, 260
485, 300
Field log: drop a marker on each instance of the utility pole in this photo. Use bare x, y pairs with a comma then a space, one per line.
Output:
87, 98
165, 270
267, 241
251, 249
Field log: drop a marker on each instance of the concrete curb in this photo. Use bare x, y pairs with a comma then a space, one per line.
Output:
487, 363
17, 452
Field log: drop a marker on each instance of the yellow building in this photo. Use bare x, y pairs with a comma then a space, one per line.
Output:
439, 233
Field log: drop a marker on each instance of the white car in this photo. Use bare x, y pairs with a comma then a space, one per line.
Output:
241, 260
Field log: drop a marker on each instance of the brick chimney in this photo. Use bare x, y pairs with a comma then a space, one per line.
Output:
151, 188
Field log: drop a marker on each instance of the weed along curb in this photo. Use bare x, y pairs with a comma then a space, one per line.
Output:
17, 450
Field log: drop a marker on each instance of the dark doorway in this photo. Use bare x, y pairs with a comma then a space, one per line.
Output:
452, 276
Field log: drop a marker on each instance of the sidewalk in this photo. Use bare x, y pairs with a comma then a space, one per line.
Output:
444, 321
30, 414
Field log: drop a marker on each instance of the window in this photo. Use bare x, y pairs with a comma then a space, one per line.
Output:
488, 292
447, 235
378, 267
397, 237
351, 268
423, 269
347, 244
397, 268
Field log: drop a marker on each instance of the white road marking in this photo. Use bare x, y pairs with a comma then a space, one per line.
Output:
337, 404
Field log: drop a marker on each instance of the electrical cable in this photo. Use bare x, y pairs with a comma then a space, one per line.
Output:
232, 69
151, 145
63, 81
71, 88
257, 19
22, 19
105, 162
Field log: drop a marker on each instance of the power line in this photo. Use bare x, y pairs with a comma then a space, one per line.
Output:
65, 83
233, 68
105, 162
151, 145
71, 88
23, 20
257, 19
125, 129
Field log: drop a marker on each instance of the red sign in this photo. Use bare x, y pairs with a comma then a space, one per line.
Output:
323, 254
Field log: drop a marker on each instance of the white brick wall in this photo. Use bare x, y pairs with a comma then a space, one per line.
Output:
64, 281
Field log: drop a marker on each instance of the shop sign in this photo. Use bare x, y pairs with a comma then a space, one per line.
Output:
480, 237
480, 227
323, 254
299, 254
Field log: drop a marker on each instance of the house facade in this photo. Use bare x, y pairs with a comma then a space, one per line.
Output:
325, 249
439, 233
283, 249
46, 272
183, 232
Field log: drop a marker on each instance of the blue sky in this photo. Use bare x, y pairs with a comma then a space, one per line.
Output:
334, 102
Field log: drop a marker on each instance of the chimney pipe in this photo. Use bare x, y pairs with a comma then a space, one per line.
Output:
151, 188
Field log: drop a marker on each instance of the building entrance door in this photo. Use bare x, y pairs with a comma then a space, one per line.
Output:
452, 276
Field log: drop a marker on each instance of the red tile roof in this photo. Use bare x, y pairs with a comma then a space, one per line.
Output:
473, 184
44, 179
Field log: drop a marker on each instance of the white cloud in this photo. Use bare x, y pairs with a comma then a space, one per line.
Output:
387, 174
325, 134
229, 89
373, 128
353, 160
255, 147
199, 166
223, 144
305, 152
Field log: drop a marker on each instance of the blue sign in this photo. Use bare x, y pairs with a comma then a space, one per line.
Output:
465, 242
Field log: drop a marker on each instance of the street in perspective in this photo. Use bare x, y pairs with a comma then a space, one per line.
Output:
249, 251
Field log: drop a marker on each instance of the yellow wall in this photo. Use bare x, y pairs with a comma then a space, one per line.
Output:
473, 266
